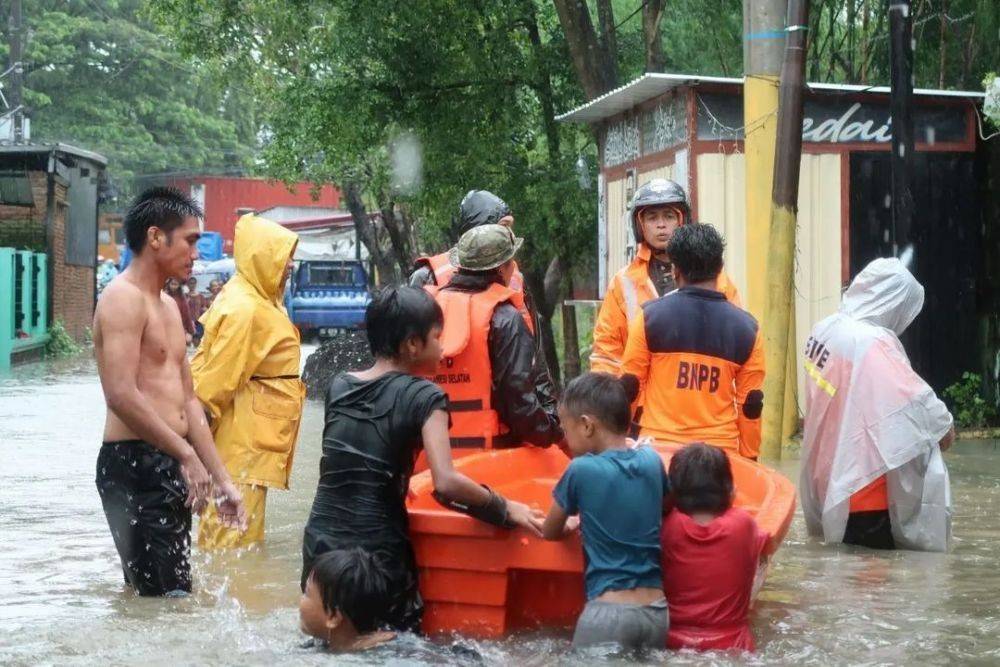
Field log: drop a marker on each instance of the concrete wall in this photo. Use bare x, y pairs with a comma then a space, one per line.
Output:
818, 277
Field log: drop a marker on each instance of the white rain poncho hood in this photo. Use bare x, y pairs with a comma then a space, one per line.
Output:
869, 414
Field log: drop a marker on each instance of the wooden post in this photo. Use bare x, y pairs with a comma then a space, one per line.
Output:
779, 303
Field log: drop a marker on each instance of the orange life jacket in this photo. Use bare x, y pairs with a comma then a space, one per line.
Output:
465, 372
443, 270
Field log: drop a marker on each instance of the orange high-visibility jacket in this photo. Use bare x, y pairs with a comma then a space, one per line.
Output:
465, 372
700, 361
628, 290
442, 269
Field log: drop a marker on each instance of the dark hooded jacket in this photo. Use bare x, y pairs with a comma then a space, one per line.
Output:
522, 388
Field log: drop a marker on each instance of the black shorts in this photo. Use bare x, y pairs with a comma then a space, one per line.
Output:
869, 529
143, 495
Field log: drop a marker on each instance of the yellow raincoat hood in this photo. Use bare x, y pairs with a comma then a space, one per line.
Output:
246, 370
261, 250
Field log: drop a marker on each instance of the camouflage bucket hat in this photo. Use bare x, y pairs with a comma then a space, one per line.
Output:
484, 248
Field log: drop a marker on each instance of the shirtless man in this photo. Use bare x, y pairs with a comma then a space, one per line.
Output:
158, 462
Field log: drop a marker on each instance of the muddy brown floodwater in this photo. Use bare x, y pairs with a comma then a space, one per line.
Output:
62, 600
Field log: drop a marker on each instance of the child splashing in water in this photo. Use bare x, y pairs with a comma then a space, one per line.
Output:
617, 491
710, 554
377, 421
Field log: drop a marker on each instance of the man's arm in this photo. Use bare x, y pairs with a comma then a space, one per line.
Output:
230, 502
121, 317
610, 332
456, 491
750, 400
554, 527
636, 360
512, 358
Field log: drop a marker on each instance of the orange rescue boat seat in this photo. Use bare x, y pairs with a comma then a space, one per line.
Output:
483, 581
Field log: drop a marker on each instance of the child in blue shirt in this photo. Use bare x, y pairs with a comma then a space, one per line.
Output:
618, 493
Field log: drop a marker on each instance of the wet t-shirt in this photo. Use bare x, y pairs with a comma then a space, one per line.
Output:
371, 437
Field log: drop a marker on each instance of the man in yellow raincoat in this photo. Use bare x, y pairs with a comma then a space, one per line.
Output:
246, 374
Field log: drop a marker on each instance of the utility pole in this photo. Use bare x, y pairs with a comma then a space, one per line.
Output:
763, 45
780, 303
901, 106
763, 40
17, 71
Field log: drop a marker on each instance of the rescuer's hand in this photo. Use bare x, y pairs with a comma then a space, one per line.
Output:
948, 439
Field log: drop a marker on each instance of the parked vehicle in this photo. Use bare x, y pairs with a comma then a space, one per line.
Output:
328, 296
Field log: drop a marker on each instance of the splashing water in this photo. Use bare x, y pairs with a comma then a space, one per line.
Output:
62, 600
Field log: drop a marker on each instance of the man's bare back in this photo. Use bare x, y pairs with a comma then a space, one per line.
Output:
160, 366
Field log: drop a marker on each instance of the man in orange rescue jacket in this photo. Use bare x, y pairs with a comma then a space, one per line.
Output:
698, 358
497, 395
658, 208
478, 207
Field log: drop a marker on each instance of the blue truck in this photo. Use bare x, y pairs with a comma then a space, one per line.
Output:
328, 296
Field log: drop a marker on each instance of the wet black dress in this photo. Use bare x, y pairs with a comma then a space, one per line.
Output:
370, 442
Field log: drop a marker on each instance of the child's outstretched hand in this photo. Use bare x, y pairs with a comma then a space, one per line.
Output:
525, 517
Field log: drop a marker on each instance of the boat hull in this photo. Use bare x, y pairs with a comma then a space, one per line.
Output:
485, 582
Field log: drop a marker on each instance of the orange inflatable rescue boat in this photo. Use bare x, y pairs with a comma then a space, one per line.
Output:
484, 582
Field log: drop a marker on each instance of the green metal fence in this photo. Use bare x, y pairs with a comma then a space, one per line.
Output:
24, 303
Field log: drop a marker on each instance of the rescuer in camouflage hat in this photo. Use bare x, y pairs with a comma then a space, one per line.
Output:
485, 248
498, 396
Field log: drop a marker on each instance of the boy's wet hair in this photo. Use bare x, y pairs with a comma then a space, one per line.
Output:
696, 250
600, 396
397, 314
701, 479
166, 208
353, 582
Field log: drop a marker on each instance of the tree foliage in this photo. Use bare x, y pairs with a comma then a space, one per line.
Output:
476, 84
99, 75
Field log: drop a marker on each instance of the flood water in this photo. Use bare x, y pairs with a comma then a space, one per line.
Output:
62, 600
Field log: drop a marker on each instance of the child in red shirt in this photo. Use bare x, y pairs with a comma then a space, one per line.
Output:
710, 554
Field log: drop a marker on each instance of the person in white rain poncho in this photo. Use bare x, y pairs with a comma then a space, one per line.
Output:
872, 471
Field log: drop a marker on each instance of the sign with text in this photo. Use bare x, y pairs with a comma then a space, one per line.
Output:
720, 117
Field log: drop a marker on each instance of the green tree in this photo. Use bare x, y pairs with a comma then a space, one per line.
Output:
476, 84
100, 76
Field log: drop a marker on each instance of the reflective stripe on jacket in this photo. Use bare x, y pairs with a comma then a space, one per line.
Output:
246, 370
628, 290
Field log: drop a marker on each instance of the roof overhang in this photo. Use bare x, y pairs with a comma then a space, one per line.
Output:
44, 149
655, 84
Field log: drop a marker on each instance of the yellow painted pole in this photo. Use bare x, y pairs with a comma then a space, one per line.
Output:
763, 44
760, 109
778, 325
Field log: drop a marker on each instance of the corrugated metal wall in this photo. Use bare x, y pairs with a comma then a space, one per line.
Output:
721, 201
818, 252
617, 229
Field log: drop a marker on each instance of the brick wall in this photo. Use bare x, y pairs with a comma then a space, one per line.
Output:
72, 287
